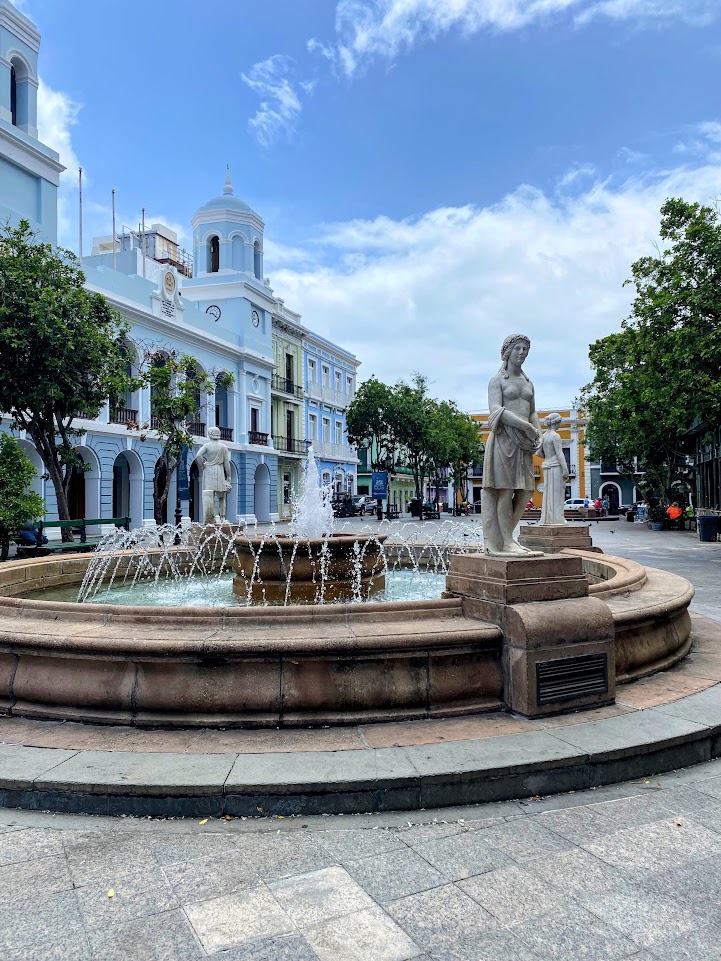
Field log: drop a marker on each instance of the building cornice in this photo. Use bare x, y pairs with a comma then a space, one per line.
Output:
23, 28
181, 331
227, 291
221, 215
24, 153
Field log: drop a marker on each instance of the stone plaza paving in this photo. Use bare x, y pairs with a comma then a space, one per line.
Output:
630, 870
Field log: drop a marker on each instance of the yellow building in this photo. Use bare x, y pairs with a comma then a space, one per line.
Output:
572, 431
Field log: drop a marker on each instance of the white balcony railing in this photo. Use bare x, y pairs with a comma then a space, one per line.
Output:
327, 395
328, 451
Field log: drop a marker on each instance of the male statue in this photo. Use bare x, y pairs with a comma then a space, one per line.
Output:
213, 460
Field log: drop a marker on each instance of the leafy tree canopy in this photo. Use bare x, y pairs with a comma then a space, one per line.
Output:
661, 374
61, 350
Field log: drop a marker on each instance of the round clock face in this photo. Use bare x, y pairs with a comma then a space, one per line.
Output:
169, 282
214, 311
256, 318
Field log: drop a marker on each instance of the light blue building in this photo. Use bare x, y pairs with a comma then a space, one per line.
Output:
218, 308
330, 381
29, 171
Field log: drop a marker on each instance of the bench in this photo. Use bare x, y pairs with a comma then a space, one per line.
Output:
41, 550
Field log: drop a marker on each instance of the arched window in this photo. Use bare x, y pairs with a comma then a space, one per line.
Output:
257, 260
13, 96
214, 255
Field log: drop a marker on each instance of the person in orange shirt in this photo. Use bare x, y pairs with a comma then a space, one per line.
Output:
674, 513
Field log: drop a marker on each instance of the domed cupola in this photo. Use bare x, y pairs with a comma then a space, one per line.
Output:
227, 236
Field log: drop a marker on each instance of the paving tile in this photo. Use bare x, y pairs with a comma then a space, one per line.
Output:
50, 929
463, 855
285, 947
639, 850
34, 880
275, 856
20, 766
573, 933
641, 915
320, 895
210, 877
278, 741
617, 737
102, 858
117, 772
320, 770
703, 708
703, 944
661, 689
583, 717
512, 894
443, 920
574, 824
627, 812
418, 834
495, 946
449, 729
523, 839
576, 871
394, 874
30, 843
353, 845
695, 882
368, 935
235, 919
176, 848
161, 937
132, 899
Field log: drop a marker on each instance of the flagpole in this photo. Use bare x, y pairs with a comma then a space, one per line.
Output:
80, 209
142, 241
115, 252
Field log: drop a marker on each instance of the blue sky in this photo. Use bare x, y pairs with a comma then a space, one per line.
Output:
433, 174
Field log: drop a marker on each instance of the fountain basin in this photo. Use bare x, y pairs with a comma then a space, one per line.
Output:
306, 570
289, 666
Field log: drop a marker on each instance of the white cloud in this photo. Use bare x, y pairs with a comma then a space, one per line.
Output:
57, 115
438, 293
279, 104
371, 29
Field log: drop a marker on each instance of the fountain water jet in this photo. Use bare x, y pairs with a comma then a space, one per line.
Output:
312, 564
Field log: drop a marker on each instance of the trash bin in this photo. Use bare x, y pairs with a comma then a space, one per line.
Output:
707, 527
630, 516
414, 506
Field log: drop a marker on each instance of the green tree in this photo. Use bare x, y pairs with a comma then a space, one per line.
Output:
371, 422
17, 504
60, 351
661, 374
415, 421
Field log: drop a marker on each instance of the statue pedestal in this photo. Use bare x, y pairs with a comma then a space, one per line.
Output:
558, 643
552, 538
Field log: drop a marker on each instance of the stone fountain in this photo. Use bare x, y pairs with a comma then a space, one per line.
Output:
312, 563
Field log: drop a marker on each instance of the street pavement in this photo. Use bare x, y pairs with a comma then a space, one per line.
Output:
626, 871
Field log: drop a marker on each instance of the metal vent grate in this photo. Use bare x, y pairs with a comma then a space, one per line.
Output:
567, 678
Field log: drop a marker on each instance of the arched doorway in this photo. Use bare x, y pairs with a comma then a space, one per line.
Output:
613, 493
84, 488
128, 488
261, 494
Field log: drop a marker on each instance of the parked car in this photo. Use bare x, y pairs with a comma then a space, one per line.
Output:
344, 507
365, 504
574, 502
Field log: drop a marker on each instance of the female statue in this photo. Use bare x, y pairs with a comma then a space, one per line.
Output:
555, 474
515, 433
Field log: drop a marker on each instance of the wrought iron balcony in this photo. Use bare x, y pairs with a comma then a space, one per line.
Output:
123, 415
226, 433
257, 437
287, 386
290, 445
196, 428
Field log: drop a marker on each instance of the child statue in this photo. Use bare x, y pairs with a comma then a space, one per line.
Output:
213, 460
555, 474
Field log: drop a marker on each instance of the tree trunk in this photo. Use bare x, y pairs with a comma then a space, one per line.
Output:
46, 451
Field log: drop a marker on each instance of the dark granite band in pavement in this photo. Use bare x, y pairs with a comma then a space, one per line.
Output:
583, 755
